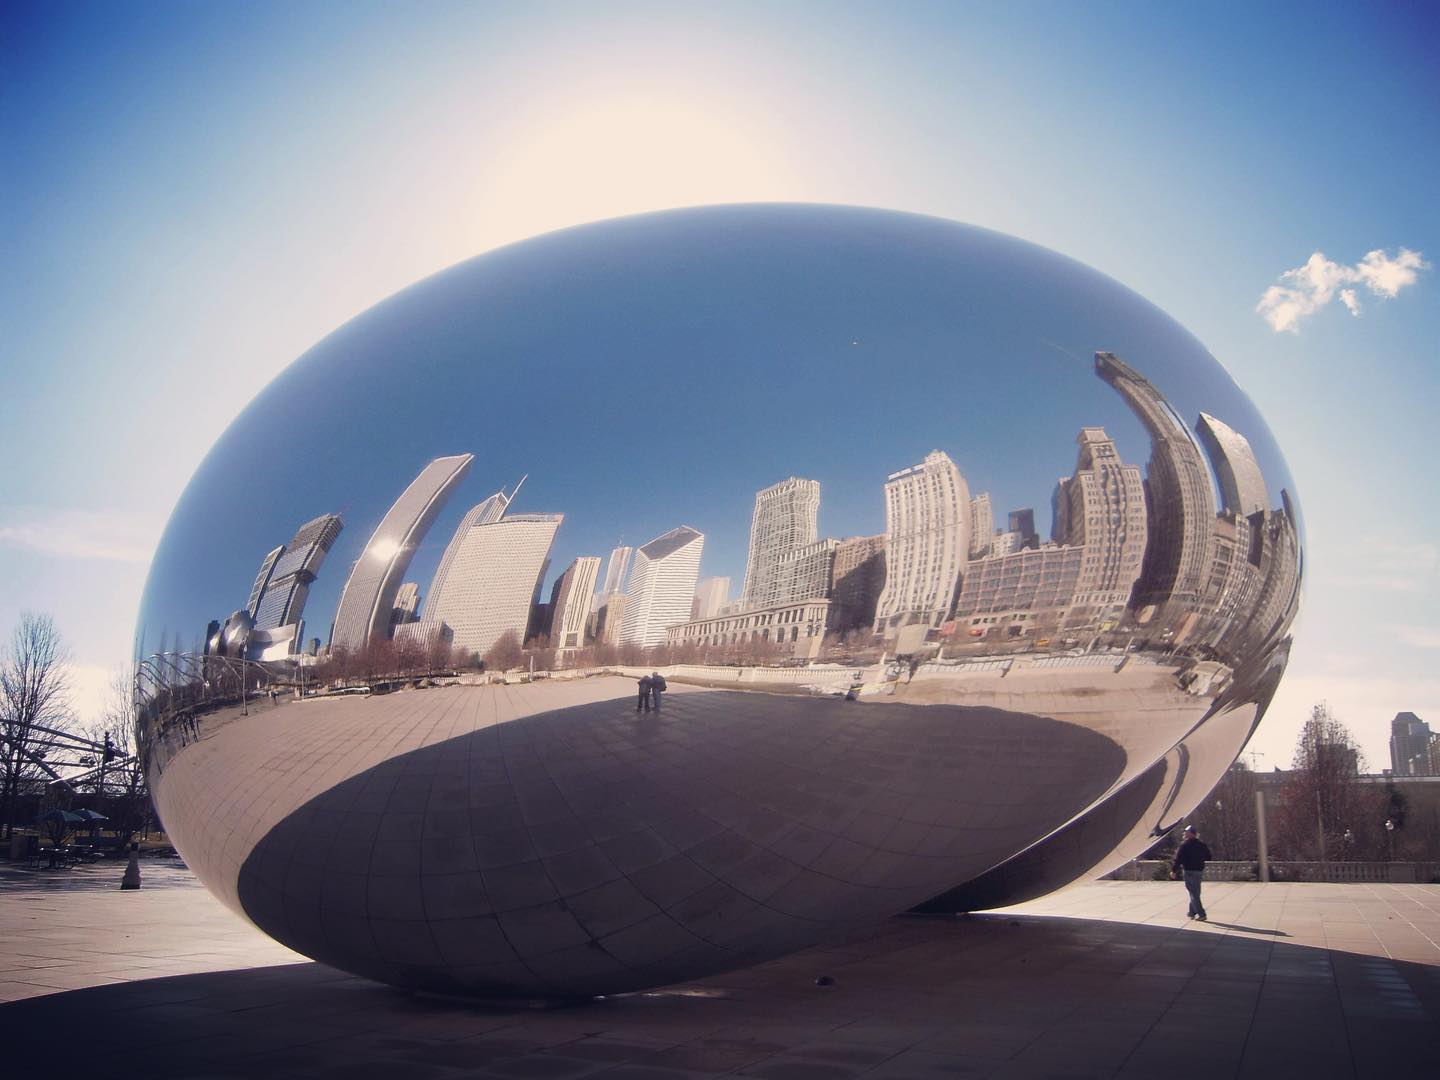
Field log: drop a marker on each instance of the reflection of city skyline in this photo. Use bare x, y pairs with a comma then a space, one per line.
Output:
1154, 553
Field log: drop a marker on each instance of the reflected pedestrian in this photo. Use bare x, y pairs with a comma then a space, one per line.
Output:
1190, 859
657, 687
644, 703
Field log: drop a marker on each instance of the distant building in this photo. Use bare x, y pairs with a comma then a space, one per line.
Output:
570, 601
1022, 524
1026, 591
661, 586
369, 594
428, 634
805, 572
784, 521
487, 512
858, 575
712, 594
1101, 508
262, 579
1410, 740
927, 541
797, 628
1242, 486
284, 601
615, 572
1275, 551
1003, 543
493, 579
610, 620
407, 604
1179, 501
982, 525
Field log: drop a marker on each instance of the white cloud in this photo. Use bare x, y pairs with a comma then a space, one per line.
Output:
1306, 289
107, 536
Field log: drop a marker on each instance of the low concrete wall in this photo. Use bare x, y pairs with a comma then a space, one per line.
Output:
1287, 870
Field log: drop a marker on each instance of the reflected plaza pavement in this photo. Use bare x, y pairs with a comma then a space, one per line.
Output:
1105, 979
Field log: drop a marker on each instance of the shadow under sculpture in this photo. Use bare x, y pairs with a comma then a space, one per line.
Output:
588, 850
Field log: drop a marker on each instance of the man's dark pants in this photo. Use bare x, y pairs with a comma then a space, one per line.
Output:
1193, 878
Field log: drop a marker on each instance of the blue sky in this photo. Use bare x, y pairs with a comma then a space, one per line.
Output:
193, 195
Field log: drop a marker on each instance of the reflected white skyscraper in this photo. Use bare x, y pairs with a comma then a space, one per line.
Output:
927, 541
662, 586
484, 513
570, 602
784, 520
493, 578
711, 595
369, 595
296, 570
1242, 486
615, 572
262, 579
1101, 508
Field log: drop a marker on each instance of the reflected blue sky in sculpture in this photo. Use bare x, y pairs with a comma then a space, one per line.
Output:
659, 370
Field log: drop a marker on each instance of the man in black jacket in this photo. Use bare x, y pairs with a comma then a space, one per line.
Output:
1190, 859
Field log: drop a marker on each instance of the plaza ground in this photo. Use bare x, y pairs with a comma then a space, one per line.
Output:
1107, 979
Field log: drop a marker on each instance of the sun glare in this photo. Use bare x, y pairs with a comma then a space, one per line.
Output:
624, 155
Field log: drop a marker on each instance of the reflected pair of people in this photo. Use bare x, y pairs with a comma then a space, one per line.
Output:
651, 687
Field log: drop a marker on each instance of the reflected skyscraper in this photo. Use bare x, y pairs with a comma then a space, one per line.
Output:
711, 595
494, 575
570, 602
857, 576
262, 579
483, 513
1022, 524
927, 540
407, 603
784, 521
982, 525
1242, 487
1101, 507
296, 570
661, 586
369, 594
616, 570
1179, 500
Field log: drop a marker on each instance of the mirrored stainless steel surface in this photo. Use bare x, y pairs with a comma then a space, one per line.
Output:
967, 571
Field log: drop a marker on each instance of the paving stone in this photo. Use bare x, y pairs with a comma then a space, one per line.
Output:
1107, 979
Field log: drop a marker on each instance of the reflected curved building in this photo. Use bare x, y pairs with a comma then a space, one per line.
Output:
907, 705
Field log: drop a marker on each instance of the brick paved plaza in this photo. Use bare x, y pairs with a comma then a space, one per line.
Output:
1107, 979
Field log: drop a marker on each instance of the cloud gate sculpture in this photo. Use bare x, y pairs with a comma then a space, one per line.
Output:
966, 570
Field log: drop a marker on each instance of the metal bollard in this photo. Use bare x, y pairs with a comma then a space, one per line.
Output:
131, 880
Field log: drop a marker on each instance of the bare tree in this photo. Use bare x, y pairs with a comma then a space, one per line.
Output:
539, 650
505, 653
34, 696
1324, 812
1227, 817
124, 784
